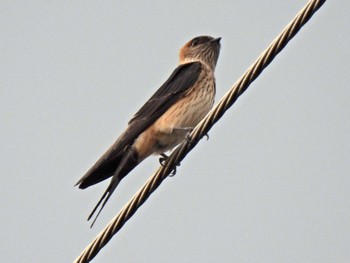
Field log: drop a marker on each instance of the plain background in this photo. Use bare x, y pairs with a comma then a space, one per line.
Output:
271, 184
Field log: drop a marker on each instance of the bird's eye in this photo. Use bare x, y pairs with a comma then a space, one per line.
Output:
195, 42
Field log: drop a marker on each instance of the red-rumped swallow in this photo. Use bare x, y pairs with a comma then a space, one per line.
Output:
166, 118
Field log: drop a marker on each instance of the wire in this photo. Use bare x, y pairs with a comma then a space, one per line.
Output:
200, 130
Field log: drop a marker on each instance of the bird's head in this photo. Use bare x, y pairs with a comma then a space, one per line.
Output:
203, 48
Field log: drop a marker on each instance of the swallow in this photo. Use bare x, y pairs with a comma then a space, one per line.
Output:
164, 120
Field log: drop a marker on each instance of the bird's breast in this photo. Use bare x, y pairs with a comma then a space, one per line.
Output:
185, 113
172, 127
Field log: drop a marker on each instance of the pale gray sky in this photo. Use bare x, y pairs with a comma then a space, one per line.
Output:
271, 184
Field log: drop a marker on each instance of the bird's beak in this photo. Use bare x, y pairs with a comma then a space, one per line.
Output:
216, 40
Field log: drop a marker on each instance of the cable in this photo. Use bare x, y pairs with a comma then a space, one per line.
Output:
200, 130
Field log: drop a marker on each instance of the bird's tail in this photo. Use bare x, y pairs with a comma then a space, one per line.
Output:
127, 163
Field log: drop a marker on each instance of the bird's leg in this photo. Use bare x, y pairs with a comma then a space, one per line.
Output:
186, 129
164, 157
189, 130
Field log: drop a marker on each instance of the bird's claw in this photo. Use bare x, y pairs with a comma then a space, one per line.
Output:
173, 172
163, 159
189, 139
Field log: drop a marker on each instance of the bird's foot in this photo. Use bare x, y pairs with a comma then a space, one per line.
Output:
190, 140
163, 159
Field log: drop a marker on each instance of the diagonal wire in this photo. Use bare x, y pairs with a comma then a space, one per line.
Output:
200, 130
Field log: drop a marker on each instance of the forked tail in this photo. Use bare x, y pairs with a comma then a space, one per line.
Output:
127, 163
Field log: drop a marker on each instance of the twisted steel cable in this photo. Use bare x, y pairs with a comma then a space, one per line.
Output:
200, 130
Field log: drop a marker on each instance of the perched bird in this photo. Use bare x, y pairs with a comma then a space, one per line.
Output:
164, 120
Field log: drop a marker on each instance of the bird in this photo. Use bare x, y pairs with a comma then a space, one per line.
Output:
164, 120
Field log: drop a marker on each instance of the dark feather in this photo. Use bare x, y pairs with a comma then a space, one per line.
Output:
127, 163
181, 80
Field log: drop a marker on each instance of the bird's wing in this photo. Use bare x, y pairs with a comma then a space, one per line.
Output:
180, 81
177, 85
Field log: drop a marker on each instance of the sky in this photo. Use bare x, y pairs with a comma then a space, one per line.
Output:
270, 185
